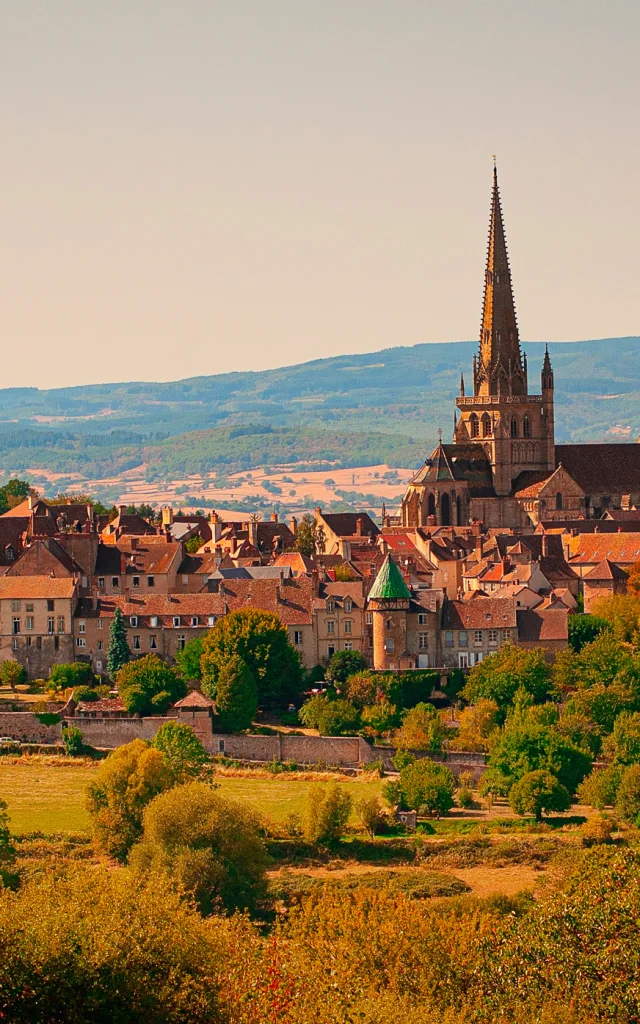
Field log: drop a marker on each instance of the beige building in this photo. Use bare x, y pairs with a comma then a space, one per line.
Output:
36, 621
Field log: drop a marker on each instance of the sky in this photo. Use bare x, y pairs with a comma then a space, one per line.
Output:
198, 186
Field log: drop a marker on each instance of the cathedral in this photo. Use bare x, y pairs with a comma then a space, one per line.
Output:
504, 468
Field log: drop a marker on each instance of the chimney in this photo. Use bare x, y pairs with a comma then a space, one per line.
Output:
545, 545
274, 517
167, 516
293, 525
134, 543
122, 510
359, 526
315, 582
94, 599
31, 500
318, 511
252, 530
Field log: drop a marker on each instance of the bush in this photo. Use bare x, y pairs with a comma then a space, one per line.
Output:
536, 792
12, 673
371, 814
362, 689
380, 718
330, 717
236, 696
628, 796
426, 787
464, 797
326, 814
312, 710
71, 675
181, 750
148, 686
596, 830
126, 781
600, 788
7, 850
86, 694
72, 741
343, 664
208, 845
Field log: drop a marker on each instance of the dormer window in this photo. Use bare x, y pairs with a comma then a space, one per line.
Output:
331, 605
154, 621
211, 620
348, 605
176, 620
194, 620
133, 620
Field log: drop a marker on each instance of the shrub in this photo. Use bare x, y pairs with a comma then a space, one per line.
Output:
72, 741
628, 796
12, 673
596, 830
126, 781
148, 686
326, 813
85, 693
73, 674
208, 845
380, 718
536, 792
312, 710
426, 787
371, 814
7, 849
343, 664
236, 695
181, 749
362, 689
600, 788
464, 797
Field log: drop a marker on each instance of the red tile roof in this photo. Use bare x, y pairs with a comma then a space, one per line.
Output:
34, 587
194, 699
606, 570
622, 548
536, 626
490, 613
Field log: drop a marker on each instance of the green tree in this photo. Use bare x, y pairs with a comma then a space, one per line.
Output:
602, 704
371, 814
624, 743
181, 749
72, 741
210, 846
425, 786
338, 718
118, 653
72, 674
500, 676
261, 640
236, 695
526, 747
537, 792
477, 724
380, 718
326, 813
600, 788
628, 795
583, 629
148, 686
362, 689
13, 492
312, 710
310, 537
12, 673
343, 664
126, 781
188, 660
622, 612
422, 729
7, 849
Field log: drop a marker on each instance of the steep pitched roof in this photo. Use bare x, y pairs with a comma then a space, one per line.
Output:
194, 699
606, 570
601, 468
622, 548
345, 524
537, 625
488, 613
389, 584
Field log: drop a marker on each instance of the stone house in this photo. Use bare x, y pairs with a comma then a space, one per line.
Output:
339, 618
603, 580
36, 621
475, 628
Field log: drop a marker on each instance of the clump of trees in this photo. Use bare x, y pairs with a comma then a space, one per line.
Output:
149, 686
423, 786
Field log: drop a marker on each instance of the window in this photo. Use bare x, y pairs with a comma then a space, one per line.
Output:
348, 626
526, 427
98, 666
29, 641
463, 659
133, 620
154, 621
185, 581
348, 646
195, 620
514, 427
331, 650
448, 638
16, 626
348, 605
493, 636
486, 425
50, 606
29, 622
423, 641
390, 645
135, 581
181, 642
15, 644
176, 620
389, 623
81, 641
463, 638
84, 581
39, 643
153, 642
56, 643
477, 637
100, 645
136, 643
15, 606
369, 619
331, 626
211, 620
99, 623
101, 581
51, 623
445, 576
559, 502
330, 606
115, 582
82, 626
61, 625
28, 607
297, 637
151, 581
475, 428
423, 619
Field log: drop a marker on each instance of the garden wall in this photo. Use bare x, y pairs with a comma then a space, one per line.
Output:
27, 727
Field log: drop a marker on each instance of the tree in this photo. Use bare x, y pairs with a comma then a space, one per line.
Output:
181, 749
338, 718
7, 849
310, 537
236, 695
633, 583
380, 718
526, 747
628, 795
603, 704
210, 846
326, 813
14, 492
118, 653
622, 612
583, 629
600, 788
12, 673
536, 792
124, 784
311, 712
72, 741
72, 674
477, 723
362, 689
624, 743
188, 660
371, 814
501, 675
148, 686
422, 729
343, 664
425, 786
261, 640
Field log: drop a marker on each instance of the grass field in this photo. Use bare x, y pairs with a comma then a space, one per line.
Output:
49, 797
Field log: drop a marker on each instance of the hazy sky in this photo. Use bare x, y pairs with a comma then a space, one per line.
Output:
194, 187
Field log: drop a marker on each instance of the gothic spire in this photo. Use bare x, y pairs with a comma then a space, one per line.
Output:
500, 368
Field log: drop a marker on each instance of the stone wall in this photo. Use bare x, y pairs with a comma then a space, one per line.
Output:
114, 732
346, 750
27, 727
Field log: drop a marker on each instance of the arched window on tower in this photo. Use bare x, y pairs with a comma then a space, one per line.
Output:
475, 426
514, 426
559, 504
486, 425
431, 505
526, 427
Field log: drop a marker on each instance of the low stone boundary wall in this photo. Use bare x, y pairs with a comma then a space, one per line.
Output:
457, 760
334, 750
27, 727
115, 732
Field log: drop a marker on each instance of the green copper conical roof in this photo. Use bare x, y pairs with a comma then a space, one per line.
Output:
389, 583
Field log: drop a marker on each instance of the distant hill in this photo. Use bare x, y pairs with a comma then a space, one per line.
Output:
347, 407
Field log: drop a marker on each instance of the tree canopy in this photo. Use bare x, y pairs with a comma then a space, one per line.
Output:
148, 685
236, 695
500, 676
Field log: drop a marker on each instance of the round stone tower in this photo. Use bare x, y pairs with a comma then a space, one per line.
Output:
388, 602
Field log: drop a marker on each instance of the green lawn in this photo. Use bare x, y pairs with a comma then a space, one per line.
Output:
49, 798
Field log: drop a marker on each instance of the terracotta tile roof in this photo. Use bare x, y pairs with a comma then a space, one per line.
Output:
490, 613
590, 525
622, 515
622, 548
297, 562
601, 468
536, 626
195, 699
606, 570
163, 606
105, 704
529, 484
34, 587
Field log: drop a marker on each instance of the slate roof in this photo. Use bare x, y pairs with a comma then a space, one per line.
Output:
345, 524
466, 462
389, 584
602, 468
